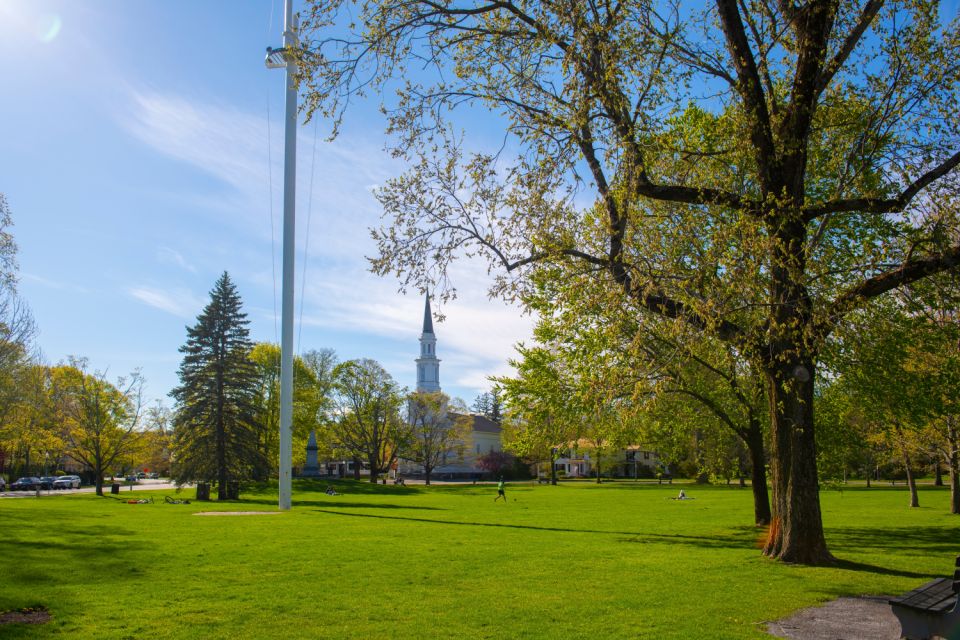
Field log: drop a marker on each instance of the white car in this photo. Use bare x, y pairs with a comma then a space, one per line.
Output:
67, 482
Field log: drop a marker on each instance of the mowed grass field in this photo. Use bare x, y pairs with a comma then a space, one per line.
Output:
619, 560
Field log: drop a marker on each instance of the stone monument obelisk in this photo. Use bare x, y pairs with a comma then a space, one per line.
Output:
311, 469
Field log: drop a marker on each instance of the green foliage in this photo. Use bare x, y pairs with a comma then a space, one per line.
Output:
216, 426
435, 432
8, 250
312, 381
367, 423
100, 421
752, 172
489, 404
17, 350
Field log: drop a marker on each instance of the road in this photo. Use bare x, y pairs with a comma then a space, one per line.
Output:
143, 485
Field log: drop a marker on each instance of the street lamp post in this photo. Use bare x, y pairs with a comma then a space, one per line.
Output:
283, 58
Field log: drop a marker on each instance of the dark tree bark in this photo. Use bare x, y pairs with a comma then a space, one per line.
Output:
796, 529
758, 475
953, 462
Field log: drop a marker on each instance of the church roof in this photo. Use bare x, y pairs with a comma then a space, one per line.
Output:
478, 422
427, 316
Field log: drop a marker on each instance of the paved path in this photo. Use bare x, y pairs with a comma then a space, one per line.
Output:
864, 618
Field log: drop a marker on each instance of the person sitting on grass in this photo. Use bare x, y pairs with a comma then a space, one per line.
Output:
331, 491
682, 495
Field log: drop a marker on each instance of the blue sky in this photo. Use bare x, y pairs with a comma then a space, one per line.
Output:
139, 139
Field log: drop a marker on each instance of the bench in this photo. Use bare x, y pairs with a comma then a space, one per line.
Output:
930, 610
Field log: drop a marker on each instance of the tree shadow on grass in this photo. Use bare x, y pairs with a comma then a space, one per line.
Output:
319, 485
735, 541
863, 567
93, 554
926, 540
334, 501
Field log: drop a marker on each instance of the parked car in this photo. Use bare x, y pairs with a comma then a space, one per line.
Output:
67, 482
27, 483
131, 478
46, 482
153, 475
141, 475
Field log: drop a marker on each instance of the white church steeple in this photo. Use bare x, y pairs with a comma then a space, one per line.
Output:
428, 365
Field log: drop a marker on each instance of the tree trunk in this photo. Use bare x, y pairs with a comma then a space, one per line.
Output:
553, 471
598, 466
356, 468
937, 474
758, 475
702, 476
912, 483
953, 460
426, 473
908, 467
796, 526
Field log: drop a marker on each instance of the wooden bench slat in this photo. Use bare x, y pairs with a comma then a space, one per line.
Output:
937, 596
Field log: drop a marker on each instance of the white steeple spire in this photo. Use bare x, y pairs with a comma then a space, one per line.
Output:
428, 365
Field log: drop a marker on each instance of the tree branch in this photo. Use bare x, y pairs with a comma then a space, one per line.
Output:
749, 86
908, 272
849, 44
884, 205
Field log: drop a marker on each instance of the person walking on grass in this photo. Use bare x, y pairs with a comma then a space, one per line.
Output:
500, 493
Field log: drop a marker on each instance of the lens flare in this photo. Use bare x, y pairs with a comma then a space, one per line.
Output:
48, 27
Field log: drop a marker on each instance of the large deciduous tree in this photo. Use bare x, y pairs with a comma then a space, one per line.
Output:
17, 335
311, 398
898, 371
540, 421
368, 424
627, 365
100, 421
435, 431
215, 426
753, 171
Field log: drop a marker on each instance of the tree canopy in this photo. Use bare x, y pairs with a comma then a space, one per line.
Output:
754, 172
368, 425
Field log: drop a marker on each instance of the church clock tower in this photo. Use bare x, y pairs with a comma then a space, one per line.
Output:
428, 365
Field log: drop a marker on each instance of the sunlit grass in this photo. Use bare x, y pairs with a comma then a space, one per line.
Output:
577, 560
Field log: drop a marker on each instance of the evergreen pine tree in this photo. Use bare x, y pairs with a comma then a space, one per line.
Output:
215, 425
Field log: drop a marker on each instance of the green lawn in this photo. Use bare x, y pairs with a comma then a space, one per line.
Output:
573, 561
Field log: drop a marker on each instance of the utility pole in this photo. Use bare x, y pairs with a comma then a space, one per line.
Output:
283, 58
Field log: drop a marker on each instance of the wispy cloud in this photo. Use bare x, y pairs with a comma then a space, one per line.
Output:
224, 142
53, 284
244, 152
335, 200
475, 340
166, 255
179, 302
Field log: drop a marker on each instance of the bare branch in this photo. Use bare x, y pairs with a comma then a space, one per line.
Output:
884, 205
